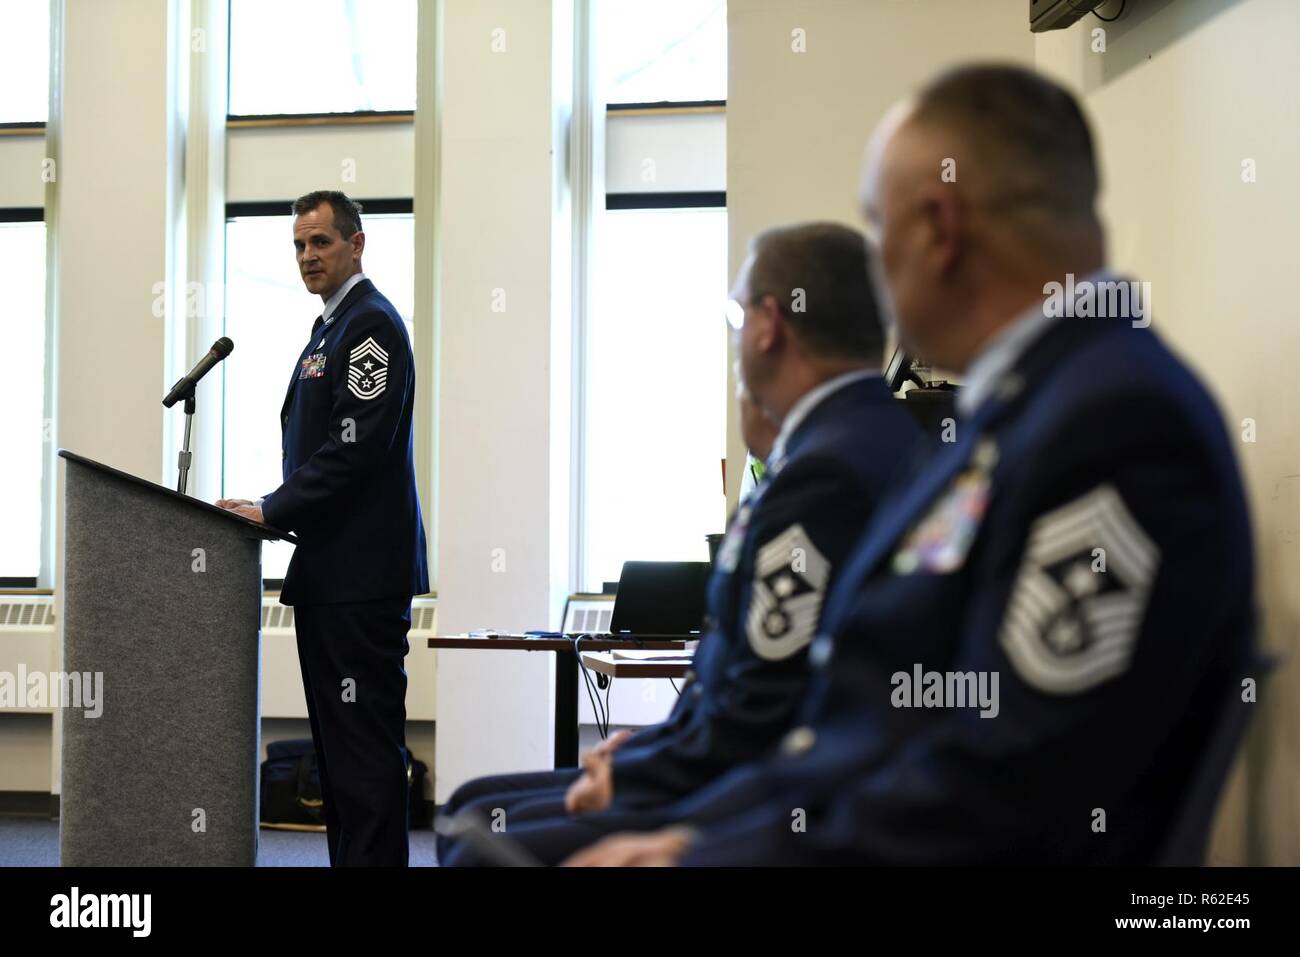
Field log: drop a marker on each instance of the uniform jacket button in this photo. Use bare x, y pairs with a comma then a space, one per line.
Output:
799, 741
690, 675
819, 655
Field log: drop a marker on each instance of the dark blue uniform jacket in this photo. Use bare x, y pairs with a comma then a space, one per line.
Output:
1103, 575
349, 473
780, 557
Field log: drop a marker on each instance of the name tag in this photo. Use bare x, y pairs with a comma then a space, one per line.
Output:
313, 367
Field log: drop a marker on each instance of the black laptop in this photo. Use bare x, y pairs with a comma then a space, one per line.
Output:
660, 600
656, 601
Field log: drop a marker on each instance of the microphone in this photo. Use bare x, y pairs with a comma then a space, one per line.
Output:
184, 387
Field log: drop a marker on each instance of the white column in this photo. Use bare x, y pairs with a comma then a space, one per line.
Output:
203, 56
428, 264
504, 375
115, 215
119, 162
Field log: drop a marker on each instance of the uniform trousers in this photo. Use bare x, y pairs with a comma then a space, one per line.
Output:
351, 657
507, 798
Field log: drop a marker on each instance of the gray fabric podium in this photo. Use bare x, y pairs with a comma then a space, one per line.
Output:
167, 774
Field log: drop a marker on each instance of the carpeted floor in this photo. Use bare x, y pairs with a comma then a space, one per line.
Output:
32, 842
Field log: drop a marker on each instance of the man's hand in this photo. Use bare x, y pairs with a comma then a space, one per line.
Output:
656, 849
612, 743
594, 789
242, 506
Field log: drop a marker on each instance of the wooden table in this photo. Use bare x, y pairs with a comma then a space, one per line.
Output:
566, 674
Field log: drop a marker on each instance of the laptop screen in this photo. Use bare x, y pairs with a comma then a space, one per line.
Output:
661, 598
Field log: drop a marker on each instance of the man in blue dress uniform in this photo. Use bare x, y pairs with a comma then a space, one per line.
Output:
1024, 658
810, 345
349, 493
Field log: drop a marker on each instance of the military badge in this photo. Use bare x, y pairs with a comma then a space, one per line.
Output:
790, 577
367, 370
313, 367
939, 542
729, 551
1077, 605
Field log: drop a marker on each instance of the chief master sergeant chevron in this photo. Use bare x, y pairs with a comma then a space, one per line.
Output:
349, 493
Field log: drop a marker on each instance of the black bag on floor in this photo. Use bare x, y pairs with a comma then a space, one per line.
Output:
421, 815
291, 794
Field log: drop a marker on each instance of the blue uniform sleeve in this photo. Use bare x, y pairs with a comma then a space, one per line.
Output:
368, 389
756, 698
1087, 730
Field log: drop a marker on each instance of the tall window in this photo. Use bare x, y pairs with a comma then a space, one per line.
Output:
321, 56
269, 316
24, 102
287, 58
654, 372
22, 393
24, 61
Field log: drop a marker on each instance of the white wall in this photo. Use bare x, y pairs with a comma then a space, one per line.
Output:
1184, 92
670, 152
371, 161
797, 122
21, 157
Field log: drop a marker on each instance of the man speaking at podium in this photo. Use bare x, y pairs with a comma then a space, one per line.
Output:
349, 493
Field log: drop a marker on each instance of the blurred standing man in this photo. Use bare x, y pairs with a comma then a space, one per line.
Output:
349, 493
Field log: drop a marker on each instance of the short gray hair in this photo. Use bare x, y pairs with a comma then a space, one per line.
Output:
817, 273
1027, 134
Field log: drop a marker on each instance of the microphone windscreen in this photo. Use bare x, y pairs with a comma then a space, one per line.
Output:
223, 347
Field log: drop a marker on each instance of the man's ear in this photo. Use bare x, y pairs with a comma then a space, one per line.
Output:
771, 324
941, 212
358, 243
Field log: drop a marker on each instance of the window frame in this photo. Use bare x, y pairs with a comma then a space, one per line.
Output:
26, 584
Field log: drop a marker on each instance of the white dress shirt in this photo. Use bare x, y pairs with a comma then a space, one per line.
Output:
1004, 348
333, 302
804, 406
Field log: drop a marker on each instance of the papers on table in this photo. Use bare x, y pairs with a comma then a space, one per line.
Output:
638, 654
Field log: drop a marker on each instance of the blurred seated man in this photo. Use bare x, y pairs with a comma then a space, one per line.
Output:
810, 344
1025, 658
543, 792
